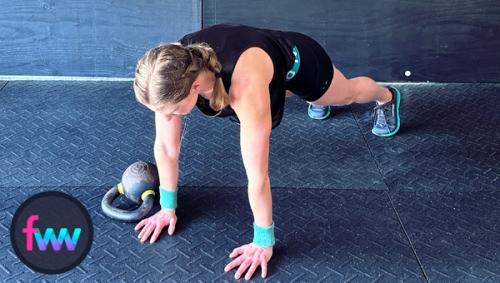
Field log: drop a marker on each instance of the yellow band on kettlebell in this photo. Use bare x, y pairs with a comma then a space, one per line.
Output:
146, 193
120, 188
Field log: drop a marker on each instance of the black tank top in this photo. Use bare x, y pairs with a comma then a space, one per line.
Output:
229, 42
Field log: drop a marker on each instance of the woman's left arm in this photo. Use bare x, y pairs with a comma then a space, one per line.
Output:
255, 132
251, 102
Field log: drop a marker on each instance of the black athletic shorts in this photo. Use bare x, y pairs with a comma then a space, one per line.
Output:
315, 73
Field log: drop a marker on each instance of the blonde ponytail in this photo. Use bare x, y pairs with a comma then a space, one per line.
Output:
165, 74
209, 61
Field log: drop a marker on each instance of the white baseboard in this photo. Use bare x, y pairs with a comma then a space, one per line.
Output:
64, 78
121, 79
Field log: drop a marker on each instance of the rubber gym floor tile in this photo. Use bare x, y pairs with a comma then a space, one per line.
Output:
456, 234
329, 154
322, 236
449, 139
87, 133
70, 133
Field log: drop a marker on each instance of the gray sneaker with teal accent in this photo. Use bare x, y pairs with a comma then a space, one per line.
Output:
386, 120
318, 112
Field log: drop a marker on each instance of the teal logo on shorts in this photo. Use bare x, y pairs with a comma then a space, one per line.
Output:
296, 64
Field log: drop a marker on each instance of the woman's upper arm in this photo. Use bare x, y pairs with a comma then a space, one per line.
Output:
168, 133
250, 83
252, 103
255, 131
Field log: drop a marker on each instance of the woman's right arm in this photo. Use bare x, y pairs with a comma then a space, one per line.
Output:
166, 152
167, 148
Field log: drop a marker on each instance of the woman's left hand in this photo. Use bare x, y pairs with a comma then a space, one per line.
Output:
249, 255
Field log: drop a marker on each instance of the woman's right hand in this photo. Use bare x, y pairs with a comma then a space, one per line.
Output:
155, 223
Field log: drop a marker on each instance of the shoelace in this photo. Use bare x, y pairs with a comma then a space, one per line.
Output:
380, 116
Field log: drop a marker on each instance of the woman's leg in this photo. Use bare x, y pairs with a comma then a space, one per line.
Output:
364, 90
344, 91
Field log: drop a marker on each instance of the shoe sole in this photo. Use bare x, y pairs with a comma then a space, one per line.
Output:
398, 120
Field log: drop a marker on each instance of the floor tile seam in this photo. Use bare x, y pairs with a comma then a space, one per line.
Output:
194, 187
278, 189
6, 83
414, 251
389, 198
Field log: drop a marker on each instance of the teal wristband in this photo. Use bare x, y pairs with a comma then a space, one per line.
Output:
168, 199
263, 236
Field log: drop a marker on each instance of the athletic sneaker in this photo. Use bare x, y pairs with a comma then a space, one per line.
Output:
318, 112
386, 116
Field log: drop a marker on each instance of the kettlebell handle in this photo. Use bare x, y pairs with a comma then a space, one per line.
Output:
126, 215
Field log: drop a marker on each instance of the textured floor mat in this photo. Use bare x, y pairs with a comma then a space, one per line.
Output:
456, 235
70, 133
303, 152
73, 133
322, 236
449, 139
67, 133
422, 205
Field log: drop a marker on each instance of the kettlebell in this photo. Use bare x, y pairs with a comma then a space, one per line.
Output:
140, 184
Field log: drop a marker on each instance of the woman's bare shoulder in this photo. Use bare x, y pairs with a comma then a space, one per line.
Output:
253, 66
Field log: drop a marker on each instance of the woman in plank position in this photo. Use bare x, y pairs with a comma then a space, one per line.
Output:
244, 73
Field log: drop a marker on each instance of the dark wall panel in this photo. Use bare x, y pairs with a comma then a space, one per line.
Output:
88, 38
439, 41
